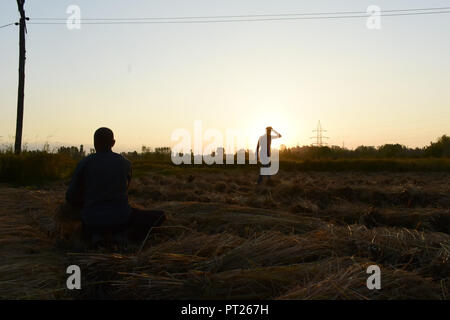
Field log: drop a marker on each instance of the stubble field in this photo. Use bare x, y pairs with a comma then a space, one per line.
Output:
299, 235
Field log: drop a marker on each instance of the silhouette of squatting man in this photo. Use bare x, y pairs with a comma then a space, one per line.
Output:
263, 149
99, 187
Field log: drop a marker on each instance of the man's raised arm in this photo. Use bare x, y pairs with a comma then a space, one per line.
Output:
277, 134
257, 151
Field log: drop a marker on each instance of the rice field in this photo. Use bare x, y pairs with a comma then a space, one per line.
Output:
299, 235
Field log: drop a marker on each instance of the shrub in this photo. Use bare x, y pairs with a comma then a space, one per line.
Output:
34, 167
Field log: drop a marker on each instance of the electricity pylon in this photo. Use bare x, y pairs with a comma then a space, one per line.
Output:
319, 136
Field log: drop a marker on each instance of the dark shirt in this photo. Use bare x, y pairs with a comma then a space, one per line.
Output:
99, 187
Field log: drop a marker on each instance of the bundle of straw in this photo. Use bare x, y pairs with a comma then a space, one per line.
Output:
352, 284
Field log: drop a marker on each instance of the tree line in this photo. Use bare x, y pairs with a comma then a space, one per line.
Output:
438, 149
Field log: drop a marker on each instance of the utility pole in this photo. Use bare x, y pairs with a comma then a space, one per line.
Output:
319, 136
20, 94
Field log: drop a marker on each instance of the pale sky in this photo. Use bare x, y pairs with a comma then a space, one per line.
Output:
144, 81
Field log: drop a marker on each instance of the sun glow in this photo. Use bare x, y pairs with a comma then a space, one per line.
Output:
271, 119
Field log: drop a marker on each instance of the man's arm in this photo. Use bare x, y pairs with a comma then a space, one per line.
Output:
277, 134
129, 174
257, 151
74, 194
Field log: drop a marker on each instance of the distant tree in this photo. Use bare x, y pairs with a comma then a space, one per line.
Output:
46, 147
72, 152
163, 150
391, 151
365, 152
146, 149
441, 148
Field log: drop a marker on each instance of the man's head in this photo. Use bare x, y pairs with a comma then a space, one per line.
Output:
268, 130
103, 139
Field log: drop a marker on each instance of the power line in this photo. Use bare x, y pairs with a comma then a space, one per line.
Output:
7, 25
236, 18
240, 20
249, 16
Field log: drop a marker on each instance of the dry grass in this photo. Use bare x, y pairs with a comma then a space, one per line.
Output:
30, 268
351, 284
298, 236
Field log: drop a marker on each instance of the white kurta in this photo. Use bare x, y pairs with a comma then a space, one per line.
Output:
263, 148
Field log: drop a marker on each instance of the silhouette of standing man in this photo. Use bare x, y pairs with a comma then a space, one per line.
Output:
263, 149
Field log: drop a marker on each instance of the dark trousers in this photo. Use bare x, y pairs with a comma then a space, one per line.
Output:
142, 221
260, 178
137, 228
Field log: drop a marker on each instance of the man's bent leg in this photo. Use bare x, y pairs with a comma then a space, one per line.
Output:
142, 221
